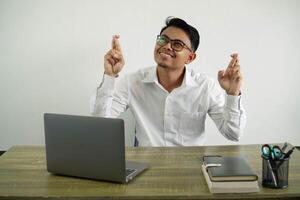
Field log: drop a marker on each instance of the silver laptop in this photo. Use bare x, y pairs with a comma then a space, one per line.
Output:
88, 147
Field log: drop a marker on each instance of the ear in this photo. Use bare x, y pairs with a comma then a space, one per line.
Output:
192, 56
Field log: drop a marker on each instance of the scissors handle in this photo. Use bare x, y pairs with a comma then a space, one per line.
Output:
272, 152
266, 150
277, 152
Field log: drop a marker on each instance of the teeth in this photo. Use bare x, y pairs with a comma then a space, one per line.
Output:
166, 54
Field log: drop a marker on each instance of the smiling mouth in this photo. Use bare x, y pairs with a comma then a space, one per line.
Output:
166, 54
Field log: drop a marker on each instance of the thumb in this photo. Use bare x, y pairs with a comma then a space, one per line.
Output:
221, 74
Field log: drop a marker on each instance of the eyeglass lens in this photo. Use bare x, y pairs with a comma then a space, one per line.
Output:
175, 44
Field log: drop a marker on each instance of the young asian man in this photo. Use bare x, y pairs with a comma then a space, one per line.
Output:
170, 102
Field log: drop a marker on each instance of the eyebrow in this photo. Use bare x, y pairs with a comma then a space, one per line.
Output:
174, 39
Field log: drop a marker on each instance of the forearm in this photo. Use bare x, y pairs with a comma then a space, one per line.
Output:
231, 118
109, 100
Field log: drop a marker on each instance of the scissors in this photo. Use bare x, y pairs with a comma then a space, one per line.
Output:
271, 152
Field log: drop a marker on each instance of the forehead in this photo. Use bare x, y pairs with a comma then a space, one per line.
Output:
175, 33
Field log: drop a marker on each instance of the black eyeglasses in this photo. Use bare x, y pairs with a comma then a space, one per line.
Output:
177, 45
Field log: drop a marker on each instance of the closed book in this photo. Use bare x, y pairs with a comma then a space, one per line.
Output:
221, 168
229, 187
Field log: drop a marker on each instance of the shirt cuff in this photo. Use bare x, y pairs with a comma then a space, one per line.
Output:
233, 102
108, 83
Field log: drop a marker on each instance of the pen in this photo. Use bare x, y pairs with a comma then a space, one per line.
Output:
288, 154
284, 146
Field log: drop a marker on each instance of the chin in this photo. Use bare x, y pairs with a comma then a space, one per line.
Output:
163, 66
161, 63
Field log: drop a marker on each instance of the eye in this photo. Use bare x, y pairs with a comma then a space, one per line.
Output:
177, 45
162, 40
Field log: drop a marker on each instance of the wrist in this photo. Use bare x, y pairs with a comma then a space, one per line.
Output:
111, 74
235, 93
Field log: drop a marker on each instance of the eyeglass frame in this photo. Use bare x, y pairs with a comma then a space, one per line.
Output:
171, 41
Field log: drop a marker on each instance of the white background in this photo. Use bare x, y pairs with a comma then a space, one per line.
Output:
51, 58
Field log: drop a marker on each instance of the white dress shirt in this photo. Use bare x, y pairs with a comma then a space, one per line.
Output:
170, 119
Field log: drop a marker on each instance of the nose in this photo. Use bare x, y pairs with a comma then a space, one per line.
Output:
168, 46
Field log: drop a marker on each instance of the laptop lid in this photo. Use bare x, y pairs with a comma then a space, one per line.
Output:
88, 147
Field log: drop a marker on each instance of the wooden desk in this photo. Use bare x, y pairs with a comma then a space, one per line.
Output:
175, 173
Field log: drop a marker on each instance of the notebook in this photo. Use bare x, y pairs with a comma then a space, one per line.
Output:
230, 169
88, 147
229, 175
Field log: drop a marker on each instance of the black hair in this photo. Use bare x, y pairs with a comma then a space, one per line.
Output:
188, 29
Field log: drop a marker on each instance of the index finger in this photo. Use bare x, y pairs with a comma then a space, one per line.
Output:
115, 44
234, 60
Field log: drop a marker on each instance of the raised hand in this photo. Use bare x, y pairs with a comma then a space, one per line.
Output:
113, 59
231, 78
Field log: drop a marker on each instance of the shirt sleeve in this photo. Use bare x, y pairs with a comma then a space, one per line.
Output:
227, 113
111, 98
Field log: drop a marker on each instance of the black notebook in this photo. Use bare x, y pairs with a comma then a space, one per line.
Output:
221, 168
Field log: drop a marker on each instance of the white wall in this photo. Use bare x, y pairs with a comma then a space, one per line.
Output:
51, 58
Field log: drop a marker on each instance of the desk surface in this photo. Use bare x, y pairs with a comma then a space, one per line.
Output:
175, 173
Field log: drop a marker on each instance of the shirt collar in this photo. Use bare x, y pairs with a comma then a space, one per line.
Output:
151, 77
189, 78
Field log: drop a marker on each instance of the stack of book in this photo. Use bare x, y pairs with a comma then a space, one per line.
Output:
229, 175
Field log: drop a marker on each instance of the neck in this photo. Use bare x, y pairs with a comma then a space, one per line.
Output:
170, 78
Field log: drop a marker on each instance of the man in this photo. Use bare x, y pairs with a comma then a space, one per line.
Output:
170, 102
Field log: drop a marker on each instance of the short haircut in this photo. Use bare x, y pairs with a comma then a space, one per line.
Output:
188, 29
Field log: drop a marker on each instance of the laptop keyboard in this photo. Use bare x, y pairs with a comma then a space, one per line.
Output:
130, 171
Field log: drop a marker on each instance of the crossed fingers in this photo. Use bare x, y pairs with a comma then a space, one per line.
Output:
115, 54
233, 69
115, 44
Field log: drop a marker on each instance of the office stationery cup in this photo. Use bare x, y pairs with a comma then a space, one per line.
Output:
275, 173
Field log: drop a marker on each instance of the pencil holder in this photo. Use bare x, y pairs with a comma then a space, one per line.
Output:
275, 173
